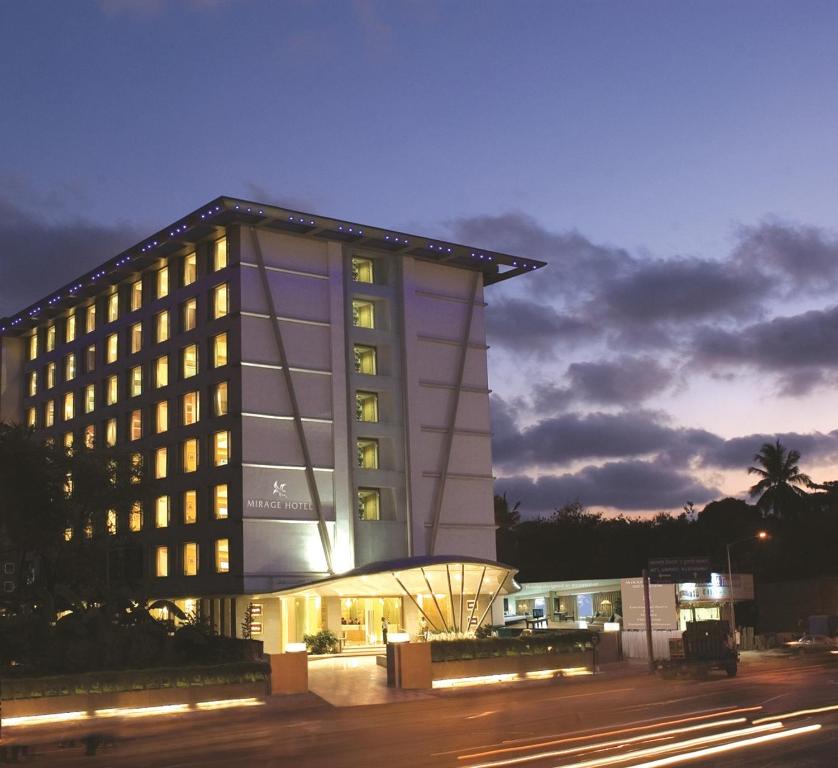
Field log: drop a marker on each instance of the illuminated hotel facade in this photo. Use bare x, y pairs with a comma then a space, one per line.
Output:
309, 399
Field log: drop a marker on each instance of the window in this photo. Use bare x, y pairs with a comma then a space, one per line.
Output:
111, 348
220, 300
90, 359
190, 507
50, 375
161, 512
162, 282
50, 337
161, 371
68, 439
33, 346
89, 436
49, 413
369, 504
161, 463
136, 468
136, 381
70, 329
222, 556
190, 268
190, 455
219, 255
365, 359
113, 307
69, 406
219, 502
219, 399
135, 517
136, 335
219, 350
110, 433
220, 448
191, 408
189, 361
90, 319
367, 451
363, 270
111, 389
190, 559
363, 314
110, 522
136, 424
136, 295
161, 560
32, 385
89, 398
161, 422
189, 314
366, 406
161, 326
70, 367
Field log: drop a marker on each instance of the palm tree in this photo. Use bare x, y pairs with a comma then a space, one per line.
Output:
778, 489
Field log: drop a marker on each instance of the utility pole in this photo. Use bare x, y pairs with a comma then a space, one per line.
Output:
647, 603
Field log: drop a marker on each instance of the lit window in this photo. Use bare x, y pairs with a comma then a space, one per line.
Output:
161, 371
190, 559
161, 422
50, 337
110, 522
113, 307
111, 389
136, 468
89, 398
70, 329
50, 375
190, 268
365, 359
219, 502
90, 359
136, 335
110, 433
190, 455
70, 367
219, 399
219, 256
161, 512
220, 448
136, 295
161, 463
363, 270
162, 282
219, 350
369, 504
220, 300
191, 408
363, 314
111, 348
189, 314
69, 406
190, 507
32, 386
161, 326
367, 454
135, 517
366, 406
33, 346
136, 384
89, 436
136, 424
90, 319
161, 560
88, 530
189, 361
68, 534
222, 555
68, 484
68, 439
49, 413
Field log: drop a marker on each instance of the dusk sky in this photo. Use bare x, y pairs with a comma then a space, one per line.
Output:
676, 163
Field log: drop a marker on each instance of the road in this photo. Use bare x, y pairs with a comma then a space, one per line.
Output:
615, 719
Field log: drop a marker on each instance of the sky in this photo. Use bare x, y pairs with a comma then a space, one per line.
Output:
674, 163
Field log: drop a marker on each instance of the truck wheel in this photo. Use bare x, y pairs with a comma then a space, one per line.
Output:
731, 670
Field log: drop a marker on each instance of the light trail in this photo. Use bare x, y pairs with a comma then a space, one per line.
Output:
59, 717
797, 713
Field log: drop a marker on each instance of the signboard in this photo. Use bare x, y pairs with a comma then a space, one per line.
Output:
677, 570
717, 589
661, 602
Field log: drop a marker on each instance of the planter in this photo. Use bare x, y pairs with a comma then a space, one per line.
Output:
502, 665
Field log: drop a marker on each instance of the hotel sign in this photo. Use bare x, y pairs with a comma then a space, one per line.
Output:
279, 501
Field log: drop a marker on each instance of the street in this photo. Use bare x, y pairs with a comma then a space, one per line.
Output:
755, 719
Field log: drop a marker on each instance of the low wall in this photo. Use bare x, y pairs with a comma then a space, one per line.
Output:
502, 665
634, 643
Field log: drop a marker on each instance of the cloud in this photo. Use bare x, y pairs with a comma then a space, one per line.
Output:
153, 7
532, 327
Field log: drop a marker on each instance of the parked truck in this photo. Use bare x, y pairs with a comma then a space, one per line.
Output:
703, 647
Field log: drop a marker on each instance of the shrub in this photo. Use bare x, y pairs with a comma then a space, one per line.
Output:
325, 641
541, 643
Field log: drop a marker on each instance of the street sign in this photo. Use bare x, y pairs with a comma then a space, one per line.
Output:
679, 570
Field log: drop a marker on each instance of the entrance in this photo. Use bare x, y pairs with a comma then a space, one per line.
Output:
361, 619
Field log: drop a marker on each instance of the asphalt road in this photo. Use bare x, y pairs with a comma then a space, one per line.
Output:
616, 719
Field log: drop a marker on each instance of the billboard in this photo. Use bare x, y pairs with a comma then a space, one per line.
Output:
661, 601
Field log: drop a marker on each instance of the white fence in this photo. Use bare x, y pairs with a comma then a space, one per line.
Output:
634, 643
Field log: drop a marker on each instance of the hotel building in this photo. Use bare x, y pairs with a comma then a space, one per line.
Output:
309, 399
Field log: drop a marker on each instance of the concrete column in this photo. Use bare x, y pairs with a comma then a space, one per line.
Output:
333, 615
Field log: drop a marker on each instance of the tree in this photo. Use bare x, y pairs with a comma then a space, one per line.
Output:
779, 488
506, 517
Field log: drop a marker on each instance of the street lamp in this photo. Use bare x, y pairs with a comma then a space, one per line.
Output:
760, 536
